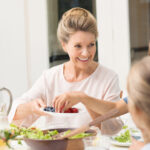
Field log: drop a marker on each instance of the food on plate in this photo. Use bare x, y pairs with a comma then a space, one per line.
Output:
49, 109
124, 137
69, 110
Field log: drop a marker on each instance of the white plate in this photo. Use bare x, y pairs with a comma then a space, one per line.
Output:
63, 114
114, 142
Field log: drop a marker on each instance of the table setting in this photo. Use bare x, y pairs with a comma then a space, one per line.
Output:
95, 142
86, 137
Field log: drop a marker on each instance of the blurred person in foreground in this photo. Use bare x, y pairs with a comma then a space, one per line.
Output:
138, 87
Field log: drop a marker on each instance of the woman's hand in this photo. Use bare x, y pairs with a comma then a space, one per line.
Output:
28, 108
67, 100
136, 145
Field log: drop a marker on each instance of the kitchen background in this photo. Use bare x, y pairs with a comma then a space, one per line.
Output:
28, 42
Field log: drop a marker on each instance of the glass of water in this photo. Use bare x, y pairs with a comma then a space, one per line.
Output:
100, 142
91, 143
96, 143
104, 142
3, 121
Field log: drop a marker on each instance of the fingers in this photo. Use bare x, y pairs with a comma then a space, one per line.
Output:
41, 103
56, 103
65, 101
67, 106
59, 103
36, 107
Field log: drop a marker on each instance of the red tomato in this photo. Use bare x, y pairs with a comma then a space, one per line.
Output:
75, 110
71, 110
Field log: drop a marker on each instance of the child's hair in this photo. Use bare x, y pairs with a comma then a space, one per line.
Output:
138, 84
76, 19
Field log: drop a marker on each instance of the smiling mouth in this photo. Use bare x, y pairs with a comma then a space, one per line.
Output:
83, 59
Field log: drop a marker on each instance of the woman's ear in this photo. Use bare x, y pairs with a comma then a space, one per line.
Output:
63, 44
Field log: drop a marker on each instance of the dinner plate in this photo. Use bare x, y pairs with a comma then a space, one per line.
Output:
122, 144
61, 114
137, 135
55, 114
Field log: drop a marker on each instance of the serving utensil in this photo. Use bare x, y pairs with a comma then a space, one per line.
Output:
84, 128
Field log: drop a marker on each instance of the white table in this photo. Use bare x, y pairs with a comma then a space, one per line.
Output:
125, 118
25, 147
118, 148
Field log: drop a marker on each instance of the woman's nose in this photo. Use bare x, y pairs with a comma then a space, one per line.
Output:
85, 52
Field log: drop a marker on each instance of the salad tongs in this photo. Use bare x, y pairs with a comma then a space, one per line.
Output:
84, 128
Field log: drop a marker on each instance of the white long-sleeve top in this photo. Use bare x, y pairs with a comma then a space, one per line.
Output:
102, 84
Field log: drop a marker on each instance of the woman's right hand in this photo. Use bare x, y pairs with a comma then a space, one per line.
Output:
66, 100
32, 107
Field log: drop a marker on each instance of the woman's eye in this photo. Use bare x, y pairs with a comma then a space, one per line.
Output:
92, 44
77, 46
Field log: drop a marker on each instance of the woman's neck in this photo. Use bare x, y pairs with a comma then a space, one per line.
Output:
74, 74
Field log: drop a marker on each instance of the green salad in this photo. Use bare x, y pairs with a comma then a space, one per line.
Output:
125, 136
18, 133
34, 133
78, 136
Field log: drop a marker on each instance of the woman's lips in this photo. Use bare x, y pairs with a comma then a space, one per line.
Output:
83, 59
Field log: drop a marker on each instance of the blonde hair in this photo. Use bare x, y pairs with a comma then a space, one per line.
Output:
76, 19
138, 84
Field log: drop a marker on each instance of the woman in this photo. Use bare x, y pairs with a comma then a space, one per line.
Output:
77, 33
138, 86
100, 107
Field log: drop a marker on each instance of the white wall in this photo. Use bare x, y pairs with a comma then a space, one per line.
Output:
13, 68
23, 43
37, 38
113, 41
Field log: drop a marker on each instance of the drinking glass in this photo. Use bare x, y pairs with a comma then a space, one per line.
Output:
4, 124
5, 108
96, 143
91, 143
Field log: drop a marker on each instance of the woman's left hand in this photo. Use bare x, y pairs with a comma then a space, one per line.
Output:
67, 100
136, 145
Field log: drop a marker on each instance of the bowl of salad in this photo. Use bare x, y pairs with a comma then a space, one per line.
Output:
38, 139
44, 140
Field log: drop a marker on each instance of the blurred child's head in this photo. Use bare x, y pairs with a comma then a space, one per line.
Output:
138, 86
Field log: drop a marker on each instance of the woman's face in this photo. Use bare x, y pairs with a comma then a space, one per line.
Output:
81, 48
